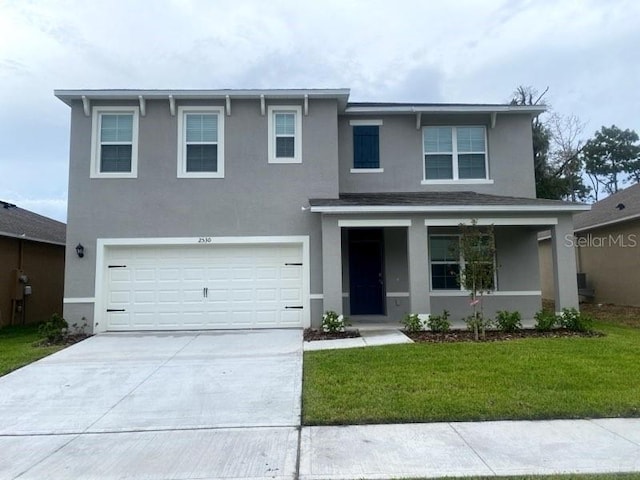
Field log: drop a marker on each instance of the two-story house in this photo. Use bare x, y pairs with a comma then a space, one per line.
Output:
219, 209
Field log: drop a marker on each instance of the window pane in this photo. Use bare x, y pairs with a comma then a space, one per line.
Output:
438, 140
443, 249
444, 276
202, 158
438, 167
285, 123
116, 128
202, 127
115, 158
470, 139
366, 147
471, 165
285, 147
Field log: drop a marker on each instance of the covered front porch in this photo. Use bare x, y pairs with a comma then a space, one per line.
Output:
384, 255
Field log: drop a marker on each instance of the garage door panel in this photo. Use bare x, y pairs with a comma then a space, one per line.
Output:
212, 286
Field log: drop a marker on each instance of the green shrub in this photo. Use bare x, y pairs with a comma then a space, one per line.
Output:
412, 323
545, 321
333, 323
573, 320
439, 323
508, 322
476, 323
54, 329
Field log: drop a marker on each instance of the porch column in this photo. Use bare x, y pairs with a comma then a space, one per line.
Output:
564, 264
418, 257
331, 264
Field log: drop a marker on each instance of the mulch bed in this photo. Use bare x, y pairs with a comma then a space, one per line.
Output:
493, 335
312, 334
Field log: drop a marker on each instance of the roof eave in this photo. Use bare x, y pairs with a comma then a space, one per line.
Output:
68, 96
334, 209
453, 109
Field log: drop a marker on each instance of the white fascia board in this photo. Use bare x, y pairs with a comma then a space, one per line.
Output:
382, 222
67, 96
606, 224
31, 239
404, 109
448, 209
505, 221
209, 239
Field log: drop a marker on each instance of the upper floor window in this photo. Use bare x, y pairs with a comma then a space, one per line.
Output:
114, 142
201, 142
285, 134
366, 146
454, 153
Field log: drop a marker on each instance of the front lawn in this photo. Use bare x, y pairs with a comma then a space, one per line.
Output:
17, 350
518, 379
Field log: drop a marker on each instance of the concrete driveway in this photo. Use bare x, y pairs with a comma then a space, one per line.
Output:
156, 406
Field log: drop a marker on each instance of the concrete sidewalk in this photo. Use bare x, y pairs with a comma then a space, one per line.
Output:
473, 448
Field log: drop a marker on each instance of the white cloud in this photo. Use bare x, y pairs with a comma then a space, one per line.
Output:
387, 51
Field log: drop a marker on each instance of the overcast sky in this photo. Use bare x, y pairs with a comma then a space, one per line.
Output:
423, 51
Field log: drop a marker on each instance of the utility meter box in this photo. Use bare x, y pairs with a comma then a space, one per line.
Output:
17, 287
27, 289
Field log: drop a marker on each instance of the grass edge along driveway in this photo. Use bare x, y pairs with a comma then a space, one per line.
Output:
518, 379
17, 347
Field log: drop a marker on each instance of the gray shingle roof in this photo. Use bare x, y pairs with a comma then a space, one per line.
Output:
606, 211
20, 223
436, 199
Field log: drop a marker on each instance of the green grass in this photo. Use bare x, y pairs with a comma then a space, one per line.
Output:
17, 350
537, 378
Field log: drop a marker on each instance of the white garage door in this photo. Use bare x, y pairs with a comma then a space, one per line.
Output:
203, 287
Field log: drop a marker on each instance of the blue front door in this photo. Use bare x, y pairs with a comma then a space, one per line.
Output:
366, 273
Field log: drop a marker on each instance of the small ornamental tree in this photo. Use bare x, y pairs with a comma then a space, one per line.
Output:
477, 269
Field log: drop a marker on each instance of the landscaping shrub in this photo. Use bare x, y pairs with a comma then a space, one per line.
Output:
573, 320
545, 321
476, 323
54, 329
412, 323
439, 323
333, 323
508, 322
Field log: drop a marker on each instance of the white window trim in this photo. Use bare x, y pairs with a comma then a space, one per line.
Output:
366, 170
366, 123
95, 141
182, 144
271, 132
460, 262
454, 153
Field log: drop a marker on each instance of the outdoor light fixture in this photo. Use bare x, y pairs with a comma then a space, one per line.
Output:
80, 250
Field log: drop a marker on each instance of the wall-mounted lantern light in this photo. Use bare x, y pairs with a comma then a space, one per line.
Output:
80, 250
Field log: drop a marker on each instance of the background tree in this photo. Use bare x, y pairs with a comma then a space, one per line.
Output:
556, 146
612, 156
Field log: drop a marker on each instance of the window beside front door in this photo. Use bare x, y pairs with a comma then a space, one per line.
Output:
446, 261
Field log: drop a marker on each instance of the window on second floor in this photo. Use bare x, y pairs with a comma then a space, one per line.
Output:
201, 142
454, 153
114, 144
366, 146
285, 134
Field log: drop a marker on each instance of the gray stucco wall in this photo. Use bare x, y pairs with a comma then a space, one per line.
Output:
509, 147
254, 198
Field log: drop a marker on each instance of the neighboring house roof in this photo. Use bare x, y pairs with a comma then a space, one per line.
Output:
438, 202
19, 223
619, 207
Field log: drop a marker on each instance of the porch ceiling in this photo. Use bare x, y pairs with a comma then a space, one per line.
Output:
438, 202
